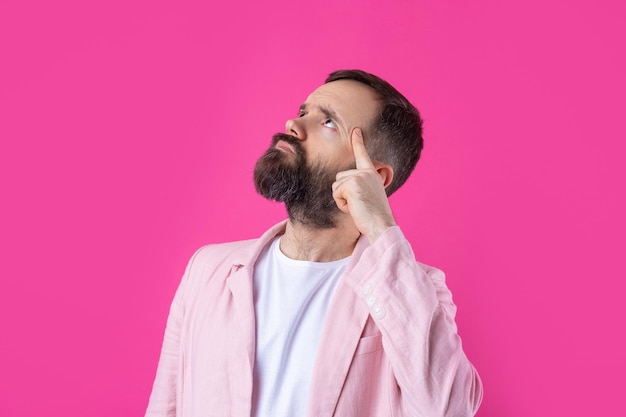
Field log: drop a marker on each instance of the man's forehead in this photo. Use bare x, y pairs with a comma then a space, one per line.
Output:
345, 95
344, 90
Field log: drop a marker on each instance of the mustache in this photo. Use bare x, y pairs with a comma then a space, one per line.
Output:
292, 140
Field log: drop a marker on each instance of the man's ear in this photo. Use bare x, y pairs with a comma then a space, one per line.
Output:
385, 172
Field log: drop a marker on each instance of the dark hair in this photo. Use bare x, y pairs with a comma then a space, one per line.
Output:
396, 132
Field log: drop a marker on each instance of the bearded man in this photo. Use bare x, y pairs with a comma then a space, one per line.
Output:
328, 313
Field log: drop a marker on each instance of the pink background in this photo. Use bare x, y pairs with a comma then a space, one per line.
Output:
129, 130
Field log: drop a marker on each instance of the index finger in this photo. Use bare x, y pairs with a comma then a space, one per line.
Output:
361, 157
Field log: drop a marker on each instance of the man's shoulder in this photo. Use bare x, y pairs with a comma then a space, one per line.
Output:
240, 251
213, 261
219, 252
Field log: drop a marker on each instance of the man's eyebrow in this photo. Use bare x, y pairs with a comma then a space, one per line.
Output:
325, 110
329, 113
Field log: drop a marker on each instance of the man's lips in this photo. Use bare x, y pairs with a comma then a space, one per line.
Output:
284, 146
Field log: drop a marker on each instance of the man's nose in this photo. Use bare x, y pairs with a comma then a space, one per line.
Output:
295, 128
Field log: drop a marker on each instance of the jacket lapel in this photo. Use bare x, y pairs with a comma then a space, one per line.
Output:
240, 283
344, 325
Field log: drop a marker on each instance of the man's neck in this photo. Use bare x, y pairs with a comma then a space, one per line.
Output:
319, 245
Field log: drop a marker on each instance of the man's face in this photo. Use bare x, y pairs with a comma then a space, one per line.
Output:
300, 166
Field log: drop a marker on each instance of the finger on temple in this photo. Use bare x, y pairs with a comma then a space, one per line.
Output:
361, 156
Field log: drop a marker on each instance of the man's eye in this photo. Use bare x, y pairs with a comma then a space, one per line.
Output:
301, 113
329, 123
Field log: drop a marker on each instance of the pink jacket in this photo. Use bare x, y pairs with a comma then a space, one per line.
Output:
389, 345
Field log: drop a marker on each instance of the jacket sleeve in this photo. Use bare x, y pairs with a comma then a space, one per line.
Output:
413, 309
165, 390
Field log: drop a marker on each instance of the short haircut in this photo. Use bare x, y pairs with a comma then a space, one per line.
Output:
396, 132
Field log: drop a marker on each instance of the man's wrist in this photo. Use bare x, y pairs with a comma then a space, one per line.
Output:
379, 229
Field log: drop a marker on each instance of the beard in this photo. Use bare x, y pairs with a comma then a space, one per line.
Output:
305, 190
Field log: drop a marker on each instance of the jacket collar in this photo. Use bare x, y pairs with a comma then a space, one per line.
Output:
249, 255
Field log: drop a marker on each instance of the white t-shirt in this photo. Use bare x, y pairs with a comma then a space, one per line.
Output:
291, 299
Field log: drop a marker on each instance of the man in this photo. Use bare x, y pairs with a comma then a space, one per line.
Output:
328, 313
